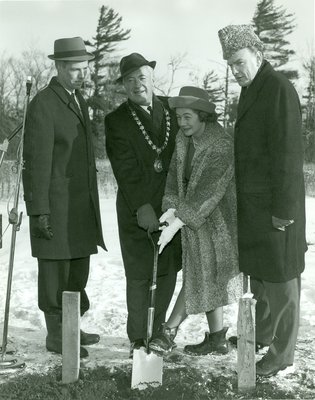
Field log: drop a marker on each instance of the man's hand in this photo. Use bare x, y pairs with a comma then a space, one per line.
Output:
41, 227
169, 232
281, 224
147, 218
168, 217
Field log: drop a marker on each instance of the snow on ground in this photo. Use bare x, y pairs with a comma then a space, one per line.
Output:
107, 315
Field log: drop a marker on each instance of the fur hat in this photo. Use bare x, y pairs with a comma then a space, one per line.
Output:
237, 37
194, 98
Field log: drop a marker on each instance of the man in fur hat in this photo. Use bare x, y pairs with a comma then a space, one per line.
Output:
270, 194
140, 138
60, 188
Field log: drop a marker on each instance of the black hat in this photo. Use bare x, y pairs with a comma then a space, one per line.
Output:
131, 63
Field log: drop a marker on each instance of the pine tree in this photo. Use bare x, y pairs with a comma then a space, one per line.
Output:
273, 24
103, 96
309, 111
213, 85
108, 35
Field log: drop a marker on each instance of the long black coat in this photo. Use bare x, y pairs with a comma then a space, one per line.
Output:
132, 161
59, 177
269, 178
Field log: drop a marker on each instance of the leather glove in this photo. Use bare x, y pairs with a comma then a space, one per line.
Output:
147, 218
169, 232
281, 224
167, 217
41, 227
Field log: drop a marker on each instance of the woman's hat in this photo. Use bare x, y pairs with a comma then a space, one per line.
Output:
131, 63
70, 49
194, 98
237, 37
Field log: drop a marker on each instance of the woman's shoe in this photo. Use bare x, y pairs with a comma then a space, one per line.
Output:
164, 341
212, 343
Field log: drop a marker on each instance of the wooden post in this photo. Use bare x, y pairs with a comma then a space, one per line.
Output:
246, 346
70, 336
0, 231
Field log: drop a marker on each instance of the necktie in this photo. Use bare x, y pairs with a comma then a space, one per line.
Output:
75, 103
150, 111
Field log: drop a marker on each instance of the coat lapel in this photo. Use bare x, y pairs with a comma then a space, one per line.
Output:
65, 97
158, 115
205, 142
153, 125
211, 137
248, 96
83, 107
88, 129
181, 148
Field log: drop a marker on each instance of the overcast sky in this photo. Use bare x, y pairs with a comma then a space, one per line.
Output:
159, 28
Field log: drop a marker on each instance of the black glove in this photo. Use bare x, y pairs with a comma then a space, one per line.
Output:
41, 227
147, 218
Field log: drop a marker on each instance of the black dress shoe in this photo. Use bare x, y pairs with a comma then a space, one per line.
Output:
137, 344
268, 366
86, 339
259, 346
54, 345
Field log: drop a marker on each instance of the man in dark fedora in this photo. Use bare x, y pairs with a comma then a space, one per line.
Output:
60, 188
270, 194
140, 138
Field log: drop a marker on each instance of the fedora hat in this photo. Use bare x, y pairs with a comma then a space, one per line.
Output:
194, 98
131, 63
70, 49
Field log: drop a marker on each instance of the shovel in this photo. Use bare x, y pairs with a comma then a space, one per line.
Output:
147, 367
246, 347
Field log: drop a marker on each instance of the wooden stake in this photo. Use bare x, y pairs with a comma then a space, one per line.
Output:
246, 347
0, 231
70, 336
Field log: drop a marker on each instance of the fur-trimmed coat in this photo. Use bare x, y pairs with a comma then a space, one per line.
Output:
208, 208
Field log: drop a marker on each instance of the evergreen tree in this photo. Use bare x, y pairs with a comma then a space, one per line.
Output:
108, 34
273, 25
102, 93
214, 86
211, 83
309, 111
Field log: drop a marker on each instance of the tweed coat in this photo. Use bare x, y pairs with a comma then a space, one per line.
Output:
132, 160
208, 208
59, 177
269, 178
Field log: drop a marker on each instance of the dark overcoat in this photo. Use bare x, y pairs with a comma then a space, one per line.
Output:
59, 175
269, 178
132, 159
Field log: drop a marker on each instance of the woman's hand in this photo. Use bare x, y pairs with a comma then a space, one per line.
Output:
167, 217
169, 232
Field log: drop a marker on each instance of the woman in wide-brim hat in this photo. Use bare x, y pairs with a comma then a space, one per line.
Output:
200, 200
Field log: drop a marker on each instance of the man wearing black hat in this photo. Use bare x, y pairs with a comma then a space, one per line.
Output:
140, 137
60, 188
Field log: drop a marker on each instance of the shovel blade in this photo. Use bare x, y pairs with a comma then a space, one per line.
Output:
147, 369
